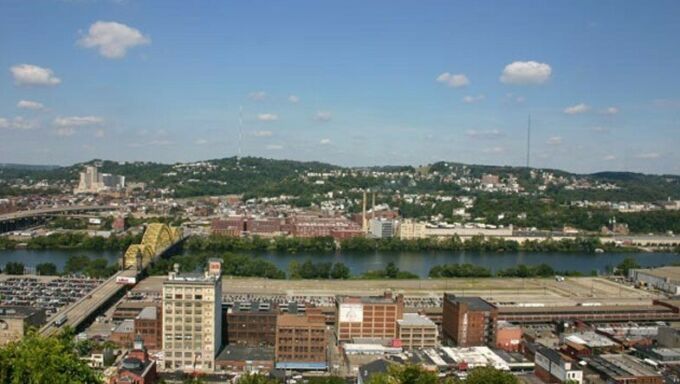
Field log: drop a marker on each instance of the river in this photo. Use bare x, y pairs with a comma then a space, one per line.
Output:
415, 262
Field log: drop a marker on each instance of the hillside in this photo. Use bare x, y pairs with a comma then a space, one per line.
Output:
267, 177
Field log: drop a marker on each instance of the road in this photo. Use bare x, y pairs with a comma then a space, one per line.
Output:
81, 309
47, 211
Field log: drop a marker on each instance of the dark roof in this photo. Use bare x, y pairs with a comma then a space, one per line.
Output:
135, 366
243, 353
374, 368
17, 312
474, 303
551, 354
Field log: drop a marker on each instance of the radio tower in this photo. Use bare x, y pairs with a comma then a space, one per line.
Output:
240, 135
529, 140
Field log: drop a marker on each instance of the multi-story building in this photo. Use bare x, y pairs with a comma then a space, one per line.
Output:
554, 367
368, 316
302, 341
251, 324
468, 321
410, 229
417, 331
381, 228
192, 319
149, 326
15, 321
91, 181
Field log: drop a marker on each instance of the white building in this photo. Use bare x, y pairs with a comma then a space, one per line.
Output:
91, 181
666, 279
192, 319
381, 228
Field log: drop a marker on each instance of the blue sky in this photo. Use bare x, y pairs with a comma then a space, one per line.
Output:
345, 82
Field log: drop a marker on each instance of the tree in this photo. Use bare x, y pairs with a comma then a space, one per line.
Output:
76, 263
626, 265
46, 269
14, 268
490, 375
38, 359
326, 380
405, 374
391, 270
294, 270
255, 378
340, 271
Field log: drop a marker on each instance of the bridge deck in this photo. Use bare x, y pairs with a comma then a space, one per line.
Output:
83, 308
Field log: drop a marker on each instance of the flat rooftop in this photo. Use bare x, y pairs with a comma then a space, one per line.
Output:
473, 302
414, 319
672, 273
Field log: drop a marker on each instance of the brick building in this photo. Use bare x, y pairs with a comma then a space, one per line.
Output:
468, 321
251, 324
239, 358
149, 326
301, 341
136, 367
417, 331
368, 316
508, 336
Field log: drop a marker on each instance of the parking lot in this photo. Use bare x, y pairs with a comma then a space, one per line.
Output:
50, 293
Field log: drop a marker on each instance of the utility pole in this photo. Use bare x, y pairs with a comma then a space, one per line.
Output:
528, 140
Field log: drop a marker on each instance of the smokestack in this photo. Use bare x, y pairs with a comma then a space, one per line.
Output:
363, 214
373, 207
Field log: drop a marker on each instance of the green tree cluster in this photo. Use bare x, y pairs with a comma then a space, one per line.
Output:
44, 360
96, 268
322, 270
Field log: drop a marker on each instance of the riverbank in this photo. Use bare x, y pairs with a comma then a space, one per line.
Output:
418, 263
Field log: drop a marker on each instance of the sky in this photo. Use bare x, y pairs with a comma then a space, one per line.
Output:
345, 82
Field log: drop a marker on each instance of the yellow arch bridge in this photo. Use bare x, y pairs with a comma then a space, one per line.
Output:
156, 240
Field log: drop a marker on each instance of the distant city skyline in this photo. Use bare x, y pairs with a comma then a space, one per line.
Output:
343, 82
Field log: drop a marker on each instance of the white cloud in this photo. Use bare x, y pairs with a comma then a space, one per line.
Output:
483, 134
453, 80
27, 74
325, 141
113, 39
473, 99
274, 146
160, 142
609, 158
267, 117
28, 104
610, 111
323, 116
555, 140
201, 141
65, 131
600, 129
262, 133
99, 133
648, 155
257, 96
494, 150
293, 99
512, 98
18, 123
576, 109
526, 73
77, 121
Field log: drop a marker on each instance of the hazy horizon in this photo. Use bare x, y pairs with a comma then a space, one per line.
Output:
349, 83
